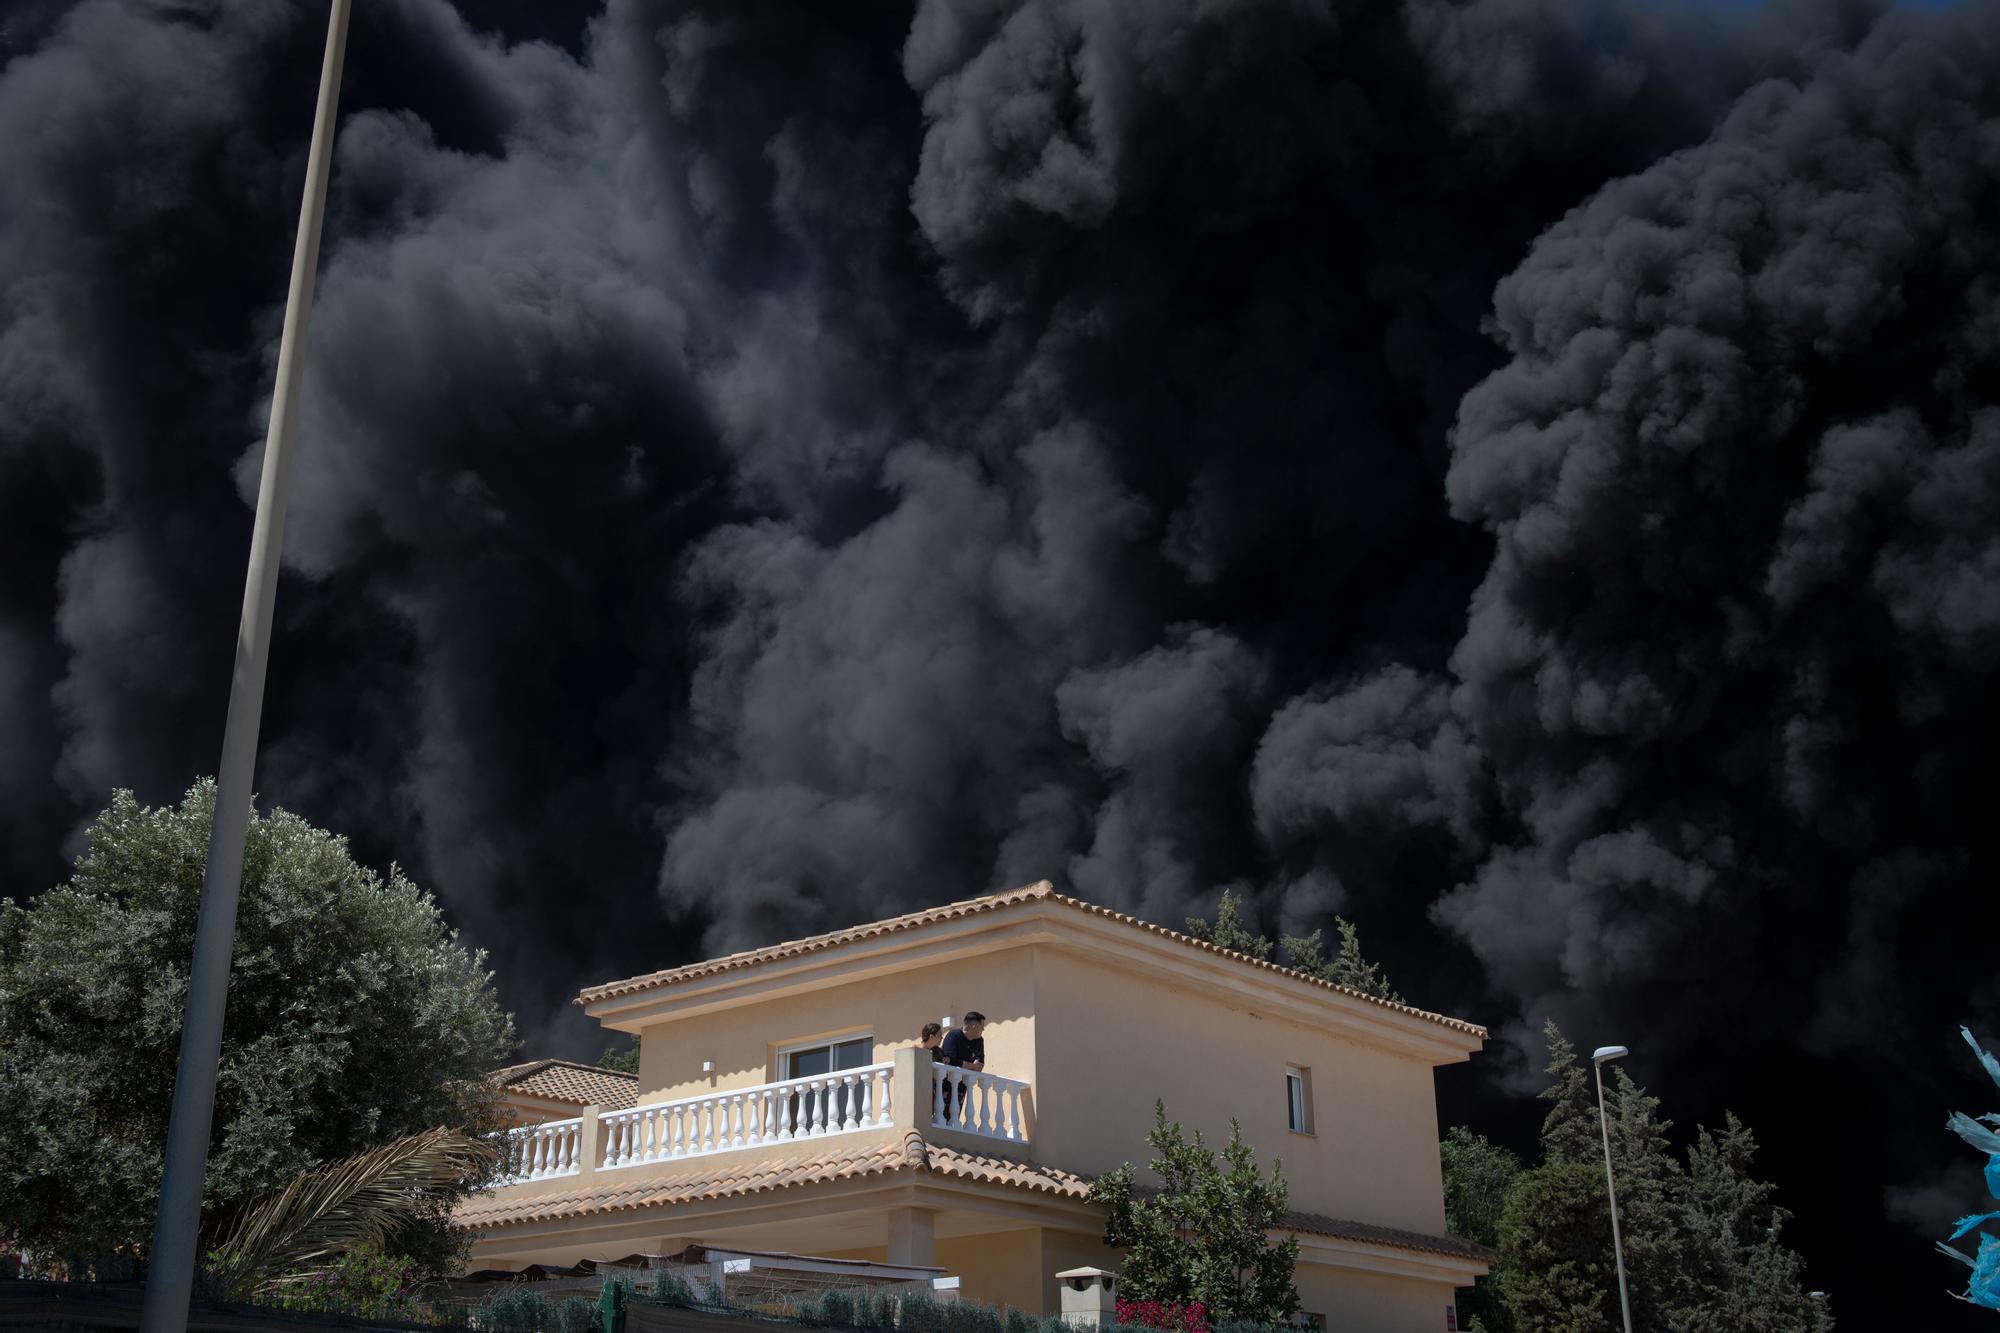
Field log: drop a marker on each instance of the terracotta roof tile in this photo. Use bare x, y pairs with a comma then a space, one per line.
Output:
719, 1177
567, 1081
725, 1177
995, 1171
1347, 1229
1042, 891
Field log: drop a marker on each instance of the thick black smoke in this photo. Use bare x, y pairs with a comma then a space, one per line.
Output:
1520, 474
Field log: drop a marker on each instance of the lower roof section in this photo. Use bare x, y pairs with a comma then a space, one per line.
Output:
911, 1158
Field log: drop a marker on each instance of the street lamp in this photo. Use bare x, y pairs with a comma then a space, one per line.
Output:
1598, 1058
177, 1224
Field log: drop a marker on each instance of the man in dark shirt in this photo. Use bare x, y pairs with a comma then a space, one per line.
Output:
965, 1047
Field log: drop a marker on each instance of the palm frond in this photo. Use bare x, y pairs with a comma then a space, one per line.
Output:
353, 1202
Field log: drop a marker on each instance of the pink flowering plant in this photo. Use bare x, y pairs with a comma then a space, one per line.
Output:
1171, 1315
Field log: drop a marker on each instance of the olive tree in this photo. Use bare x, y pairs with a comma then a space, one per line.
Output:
355, 1017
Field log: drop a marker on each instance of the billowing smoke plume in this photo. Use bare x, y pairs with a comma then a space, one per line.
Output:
1520, 474
1743, 474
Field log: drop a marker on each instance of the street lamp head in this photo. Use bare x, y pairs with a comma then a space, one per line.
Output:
1603, 1053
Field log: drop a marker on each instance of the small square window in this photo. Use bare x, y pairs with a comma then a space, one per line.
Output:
1298, 1099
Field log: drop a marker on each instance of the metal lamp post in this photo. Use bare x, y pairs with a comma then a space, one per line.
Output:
176, 1227
1598, 1058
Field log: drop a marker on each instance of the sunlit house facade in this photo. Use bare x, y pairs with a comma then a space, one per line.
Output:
782, 1105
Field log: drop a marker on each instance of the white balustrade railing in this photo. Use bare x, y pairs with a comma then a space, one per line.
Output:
979, 1103
799, 1108
538, 1152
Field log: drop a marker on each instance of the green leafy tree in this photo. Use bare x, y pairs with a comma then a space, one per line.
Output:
1702, 1243
1555, 1271
1558, 1240
1229, 930
1570, 1130
1478, 1178
1741, 1276
1204, 1235
1348, 967
355, 1017
624, 1060
290, 1239
1304, 953
1652, 1207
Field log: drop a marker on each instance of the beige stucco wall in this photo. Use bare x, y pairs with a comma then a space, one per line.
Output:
1018, 1268
744, 1041
1111, 1042
1358, 1302
1001, 1268
1099, 1044
1064, 1250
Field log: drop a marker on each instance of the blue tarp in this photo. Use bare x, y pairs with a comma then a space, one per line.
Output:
1984, 1287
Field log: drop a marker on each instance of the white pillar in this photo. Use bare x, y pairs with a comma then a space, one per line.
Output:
589, 1143
910, 1094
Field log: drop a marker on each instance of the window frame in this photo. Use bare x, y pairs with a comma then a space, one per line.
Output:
1299, 1100
781, 1057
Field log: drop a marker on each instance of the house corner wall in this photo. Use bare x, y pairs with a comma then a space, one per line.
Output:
1111, 1040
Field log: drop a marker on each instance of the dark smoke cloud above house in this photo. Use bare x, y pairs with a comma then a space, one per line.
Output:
1523, 475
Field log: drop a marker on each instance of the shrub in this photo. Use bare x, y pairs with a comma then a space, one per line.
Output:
921, 1314
515, 1309
1020, 1321
366, 1284
965, 1317
1206, 1236
575, 1315
671, 1288
829, 1309
878, 1311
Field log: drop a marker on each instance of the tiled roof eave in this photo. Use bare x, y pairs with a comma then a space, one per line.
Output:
761, 1176
911, 1155
1042, 891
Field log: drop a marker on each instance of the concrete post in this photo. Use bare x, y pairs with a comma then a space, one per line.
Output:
912, 1236
587, 1150
910, 1090
1089, 1297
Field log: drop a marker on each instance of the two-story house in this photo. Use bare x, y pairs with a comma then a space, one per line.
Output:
782, 1104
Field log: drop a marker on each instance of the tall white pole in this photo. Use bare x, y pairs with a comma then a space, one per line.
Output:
176, 1240
1611, 1192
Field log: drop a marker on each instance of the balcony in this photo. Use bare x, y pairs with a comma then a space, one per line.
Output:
984, 1107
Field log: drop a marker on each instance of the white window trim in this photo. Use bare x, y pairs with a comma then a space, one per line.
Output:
782, 1056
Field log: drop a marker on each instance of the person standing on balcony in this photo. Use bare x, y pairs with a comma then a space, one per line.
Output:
928, 1040
965, 1047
